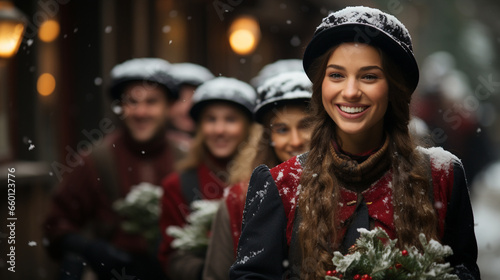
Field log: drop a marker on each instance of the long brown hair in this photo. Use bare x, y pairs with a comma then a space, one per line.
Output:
242, 168
320, 196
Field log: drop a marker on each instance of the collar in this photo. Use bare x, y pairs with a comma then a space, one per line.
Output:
358, 176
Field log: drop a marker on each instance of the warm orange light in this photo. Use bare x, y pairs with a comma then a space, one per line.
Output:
11, 29
244, 35
10, 38
46, 84
49, 30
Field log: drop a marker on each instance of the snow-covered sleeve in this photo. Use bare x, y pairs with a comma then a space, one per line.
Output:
262, 248
459, 228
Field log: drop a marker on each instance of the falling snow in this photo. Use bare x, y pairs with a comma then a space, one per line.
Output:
166, 29
295, 41
32, 243
117, 109
438, 204
98, 81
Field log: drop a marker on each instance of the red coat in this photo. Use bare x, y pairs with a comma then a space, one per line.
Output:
175, 207
81, 199
235, 203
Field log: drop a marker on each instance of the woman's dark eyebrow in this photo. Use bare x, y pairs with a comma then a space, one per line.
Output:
278, 123
334, 66
365, 68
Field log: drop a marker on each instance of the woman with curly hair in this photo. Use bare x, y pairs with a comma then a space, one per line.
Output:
364, 169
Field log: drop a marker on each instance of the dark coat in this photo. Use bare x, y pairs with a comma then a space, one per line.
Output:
268, 221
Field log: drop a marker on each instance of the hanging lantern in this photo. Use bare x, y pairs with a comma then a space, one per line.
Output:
11, 29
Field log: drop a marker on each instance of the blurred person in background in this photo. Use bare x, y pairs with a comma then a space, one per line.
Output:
181, 128
82, 226
222, 110
282, 111
454, 116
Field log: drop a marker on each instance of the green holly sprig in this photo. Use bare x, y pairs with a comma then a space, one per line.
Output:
376, 257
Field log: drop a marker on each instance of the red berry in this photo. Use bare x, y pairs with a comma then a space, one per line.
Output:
356, 277
398, 266
329, 273
341, 276
404, 253
334, 272
364, 277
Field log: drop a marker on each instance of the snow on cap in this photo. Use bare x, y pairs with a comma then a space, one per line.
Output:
141, 69
285, 88
224, 89
190, 73
369, 26
275, 68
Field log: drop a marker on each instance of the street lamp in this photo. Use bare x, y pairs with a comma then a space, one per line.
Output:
11, 29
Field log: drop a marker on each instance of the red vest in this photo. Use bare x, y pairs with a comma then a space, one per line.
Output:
378, 197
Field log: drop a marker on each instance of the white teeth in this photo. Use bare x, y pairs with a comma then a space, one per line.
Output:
352, 110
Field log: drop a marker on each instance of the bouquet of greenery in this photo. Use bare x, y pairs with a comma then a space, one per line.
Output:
141, 210
195, 235
372, 259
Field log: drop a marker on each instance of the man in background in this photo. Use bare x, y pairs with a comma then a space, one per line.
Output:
83, 227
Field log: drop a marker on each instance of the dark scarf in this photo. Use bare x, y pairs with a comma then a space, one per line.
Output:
357, 173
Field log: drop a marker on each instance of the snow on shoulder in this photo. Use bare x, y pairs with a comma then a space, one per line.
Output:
440, 158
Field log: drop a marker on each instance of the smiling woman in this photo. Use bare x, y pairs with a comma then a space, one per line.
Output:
222, 109
363, 171
355, 96
224, 127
